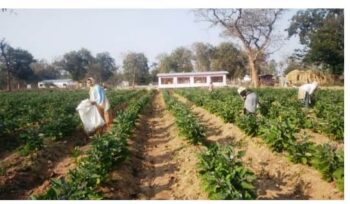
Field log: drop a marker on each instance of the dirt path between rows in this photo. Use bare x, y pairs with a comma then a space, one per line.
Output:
277, 177
161, 165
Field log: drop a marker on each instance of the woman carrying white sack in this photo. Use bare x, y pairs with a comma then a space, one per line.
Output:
98, 97
306, 93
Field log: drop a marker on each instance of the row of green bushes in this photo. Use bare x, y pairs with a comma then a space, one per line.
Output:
278, 128
107, 150
220, 167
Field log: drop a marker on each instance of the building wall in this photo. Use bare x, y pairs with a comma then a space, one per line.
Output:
191, 81
57, 85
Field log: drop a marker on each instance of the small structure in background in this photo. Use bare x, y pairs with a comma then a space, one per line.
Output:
192, 79
267, 80
58, 83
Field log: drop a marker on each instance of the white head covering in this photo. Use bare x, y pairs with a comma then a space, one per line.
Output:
241, 89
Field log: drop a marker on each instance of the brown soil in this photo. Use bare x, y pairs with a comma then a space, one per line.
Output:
60, 169
31, 175
161, 165
22, 174
277, 177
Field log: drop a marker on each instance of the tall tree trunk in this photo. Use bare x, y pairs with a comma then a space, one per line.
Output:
253, 71
8, 80
133, 78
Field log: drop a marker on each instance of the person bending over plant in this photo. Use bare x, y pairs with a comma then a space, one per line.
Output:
250, 99
306, 93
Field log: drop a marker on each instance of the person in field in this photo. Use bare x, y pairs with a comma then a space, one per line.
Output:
250, 99
98, 97
306, 93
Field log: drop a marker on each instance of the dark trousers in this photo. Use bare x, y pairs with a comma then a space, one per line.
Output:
307, 100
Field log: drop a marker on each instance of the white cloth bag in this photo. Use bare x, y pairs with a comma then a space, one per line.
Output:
90, 116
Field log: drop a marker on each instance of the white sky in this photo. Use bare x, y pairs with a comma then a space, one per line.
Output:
50, 33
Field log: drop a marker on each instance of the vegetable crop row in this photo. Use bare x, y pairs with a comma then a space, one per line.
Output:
279, 132
220, 167
107, 150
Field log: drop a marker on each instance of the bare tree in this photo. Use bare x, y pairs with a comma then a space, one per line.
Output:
4, 59
252, 27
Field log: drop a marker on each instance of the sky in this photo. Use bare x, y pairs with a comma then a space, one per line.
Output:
50, 33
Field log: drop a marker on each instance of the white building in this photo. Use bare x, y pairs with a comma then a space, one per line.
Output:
191, 79
57, 83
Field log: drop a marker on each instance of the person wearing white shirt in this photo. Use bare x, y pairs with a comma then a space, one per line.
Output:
98, 97
306, 92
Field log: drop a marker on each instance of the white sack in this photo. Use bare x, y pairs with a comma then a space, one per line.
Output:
90, 116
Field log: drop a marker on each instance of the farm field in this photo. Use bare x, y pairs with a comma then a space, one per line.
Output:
173, 144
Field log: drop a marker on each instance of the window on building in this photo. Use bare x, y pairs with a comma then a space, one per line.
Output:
183, 80
200, 80
167, 81
217, 79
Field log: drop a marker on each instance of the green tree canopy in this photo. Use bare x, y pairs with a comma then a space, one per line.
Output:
16, 63
102, 67
43, 70
180, 60
20, 61
76, 63
227, 57
322, 32
135, 68
203, 53
166, 63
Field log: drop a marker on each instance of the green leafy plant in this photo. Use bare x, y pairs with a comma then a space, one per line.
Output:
224, 174
338, 174
76, 152
279, 134
249, 124
301, 151
327, 159
33, 141
62, 190
329, 109
186, 122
